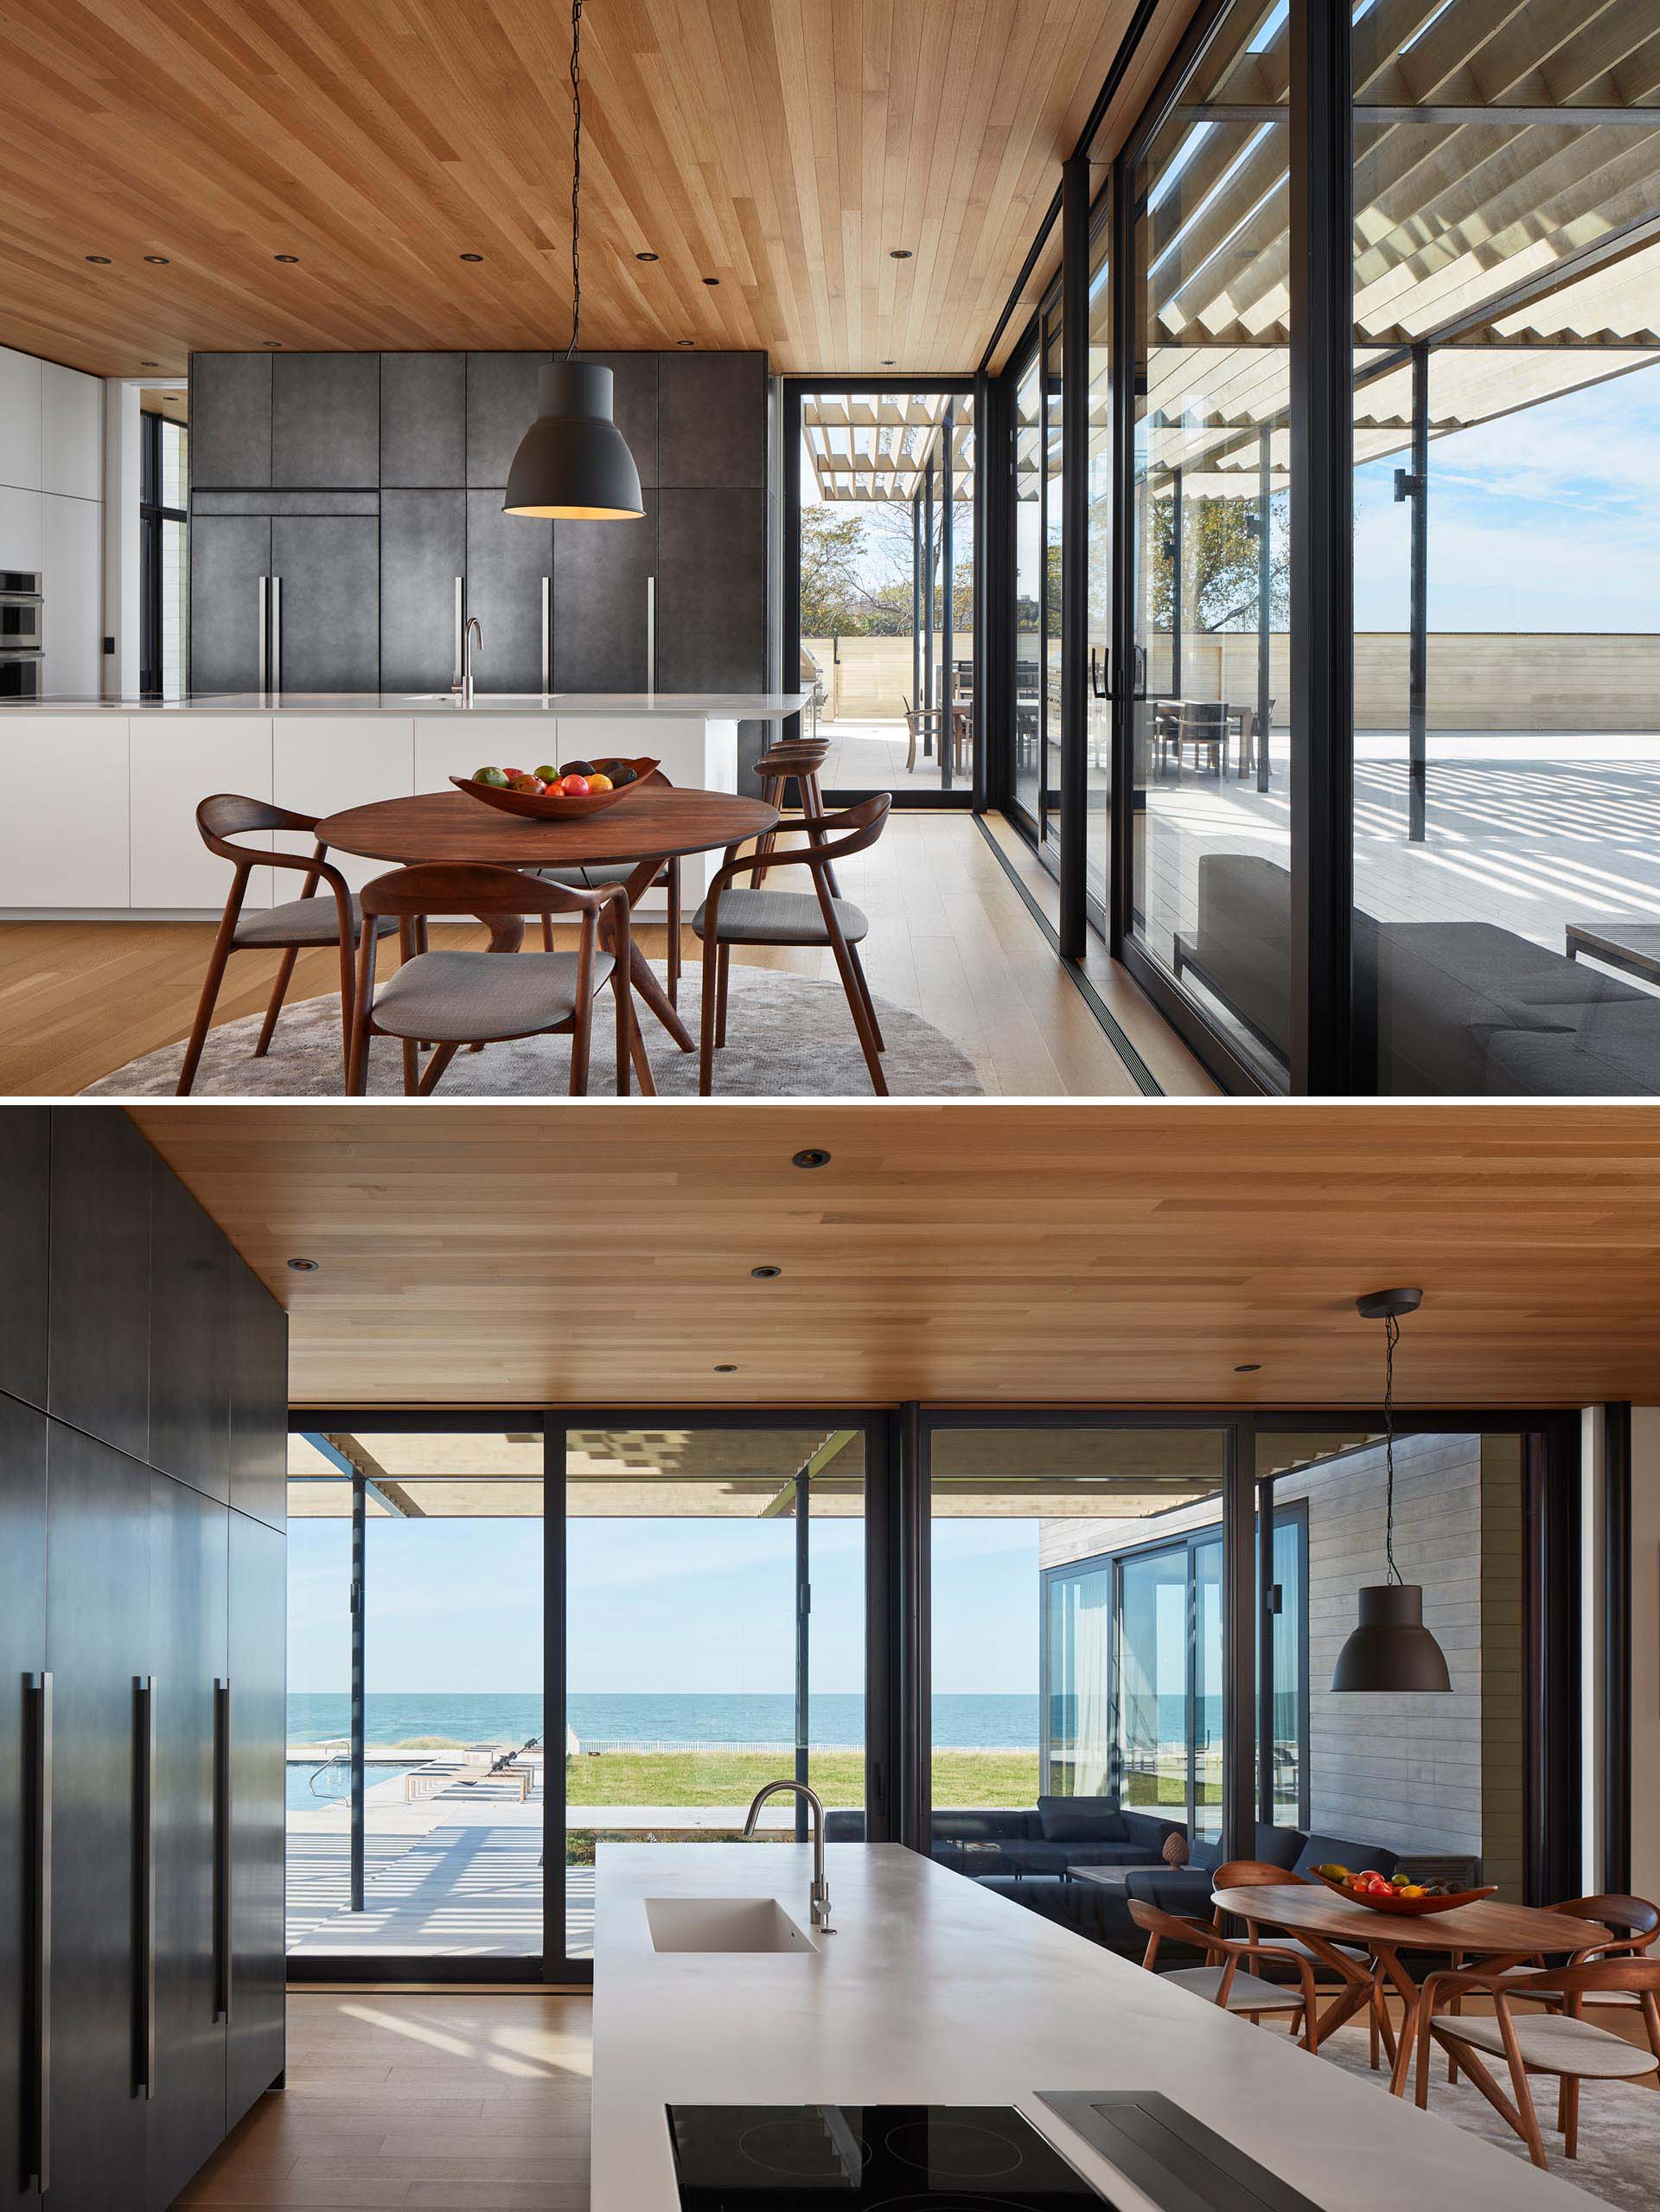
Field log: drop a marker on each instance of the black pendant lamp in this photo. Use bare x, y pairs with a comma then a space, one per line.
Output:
1390, 1649
573, 463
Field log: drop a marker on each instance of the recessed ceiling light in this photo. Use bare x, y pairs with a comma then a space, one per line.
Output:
726, 1368
271, 342
285, 257
151, 364
158, 261
472, 257
899, 253
887, 364
812, 1157
645, 257
765, 1275
102, 259
1249, 1367
685, 341
303, 1267
711, 282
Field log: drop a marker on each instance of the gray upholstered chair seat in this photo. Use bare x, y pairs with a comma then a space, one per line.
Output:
1246, 1992
301, 922
1302, 1950
781, 918
1553, 2044
449, 998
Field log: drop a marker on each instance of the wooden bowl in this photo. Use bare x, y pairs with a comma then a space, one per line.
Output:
546, 808
1409, 1908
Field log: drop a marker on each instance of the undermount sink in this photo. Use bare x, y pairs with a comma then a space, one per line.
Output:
723, 1924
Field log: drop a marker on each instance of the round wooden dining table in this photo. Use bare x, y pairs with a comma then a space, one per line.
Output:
1492, 1935
660, 823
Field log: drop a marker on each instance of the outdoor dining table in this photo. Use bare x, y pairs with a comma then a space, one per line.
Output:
1491, 1936
666, 822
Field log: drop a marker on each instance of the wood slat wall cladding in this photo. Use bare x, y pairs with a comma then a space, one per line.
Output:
975, 1254
784, 149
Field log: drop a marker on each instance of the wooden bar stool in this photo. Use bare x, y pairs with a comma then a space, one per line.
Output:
796, 760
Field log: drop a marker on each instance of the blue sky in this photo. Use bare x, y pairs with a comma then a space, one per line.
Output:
703, 1607
1545, 519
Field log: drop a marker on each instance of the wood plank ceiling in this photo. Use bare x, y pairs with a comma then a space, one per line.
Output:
601, 1255
783, 148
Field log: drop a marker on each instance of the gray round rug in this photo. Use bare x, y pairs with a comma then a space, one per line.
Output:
787, 1036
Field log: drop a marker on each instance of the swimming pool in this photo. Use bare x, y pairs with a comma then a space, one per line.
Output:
335, 1788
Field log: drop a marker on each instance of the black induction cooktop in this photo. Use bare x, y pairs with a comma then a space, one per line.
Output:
870, 2159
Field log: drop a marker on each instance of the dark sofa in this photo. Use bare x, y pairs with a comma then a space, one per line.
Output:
1460, 1009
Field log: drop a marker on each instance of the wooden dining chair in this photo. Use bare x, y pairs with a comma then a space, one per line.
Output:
315, 919
1558, 2041
1226, 1981
753, 915
451, 999
600, 875
1633, 1925
1261, 1874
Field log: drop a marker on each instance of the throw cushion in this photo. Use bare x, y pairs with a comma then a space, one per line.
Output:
1080, 1820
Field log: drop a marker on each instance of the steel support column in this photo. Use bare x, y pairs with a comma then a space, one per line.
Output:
916, 699
915, 1796
1074, 554
1176, 611
1267, 1613
1322, 549
1264, 602
948, 627
359, 1507
1418, 650
803, 1642
1238, 1638
928, 591
556, 1676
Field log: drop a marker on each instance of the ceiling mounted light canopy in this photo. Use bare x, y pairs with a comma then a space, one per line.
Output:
1390, 1649
573, 463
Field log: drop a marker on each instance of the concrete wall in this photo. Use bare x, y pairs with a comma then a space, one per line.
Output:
1476, 680
1431, 1774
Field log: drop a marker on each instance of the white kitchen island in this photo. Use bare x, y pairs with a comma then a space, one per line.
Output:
935, 1991
97, 798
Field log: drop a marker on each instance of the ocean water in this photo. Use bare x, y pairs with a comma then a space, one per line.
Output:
961, 1720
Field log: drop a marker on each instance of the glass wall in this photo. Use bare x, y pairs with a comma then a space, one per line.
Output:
443, 1806
1046, 1682
1507, 560
885, 587
1098, 777
714, 1637
1210, 899
164, 564
1028, 597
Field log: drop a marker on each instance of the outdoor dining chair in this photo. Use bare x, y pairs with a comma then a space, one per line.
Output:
318, 917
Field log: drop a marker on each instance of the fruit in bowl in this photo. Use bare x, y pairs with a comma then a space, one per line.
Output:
495, 776
549, 793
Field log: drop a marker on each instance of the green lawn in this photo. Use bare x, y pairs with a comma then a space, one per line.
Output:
999, 1778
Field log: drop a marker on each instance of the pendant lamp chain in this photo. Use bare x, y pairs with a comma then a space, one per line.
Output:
576, 176
1391, 1338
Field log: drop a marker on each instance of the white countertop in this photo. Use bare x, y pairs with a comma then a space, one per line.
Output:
937, 1991
678, 706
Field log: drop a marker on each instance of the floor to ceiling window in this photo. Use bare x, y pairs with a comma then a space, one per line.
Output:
1026, 461
714, 1637
884, 602
163, 564
1507, 562
1098, 736
1211, 895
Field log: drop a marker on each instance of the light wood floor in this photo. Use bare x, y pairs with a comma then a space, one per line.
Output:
950, 939
454, 2104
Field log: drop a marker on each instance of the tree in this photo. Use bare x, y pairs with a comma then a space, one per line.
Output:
1220, 581
831, 544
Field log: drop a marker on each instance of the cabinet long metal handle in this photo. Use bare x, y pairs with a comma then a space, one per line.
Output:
265, 633
547, 634
143, 1887
222, 1849
36, 2160
651, 637
461, 627
276, 633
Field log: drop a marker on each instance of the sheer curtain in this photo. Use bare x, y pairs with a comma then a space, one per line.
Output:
1091, 1759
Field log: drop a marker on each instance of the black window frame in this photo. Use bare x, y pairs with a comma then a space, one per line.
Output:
152, 515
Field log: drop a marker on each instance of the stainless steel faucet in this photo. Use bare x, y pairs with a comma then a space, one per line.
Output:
820, 1887
473, 634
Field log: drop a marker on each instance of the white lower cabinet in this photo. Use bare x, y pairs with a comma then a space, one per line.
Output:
175, 765
457, 744
63, 810
326, 763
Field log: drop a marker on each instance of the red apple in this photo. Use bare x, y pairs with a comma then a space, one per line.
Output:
573, 786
